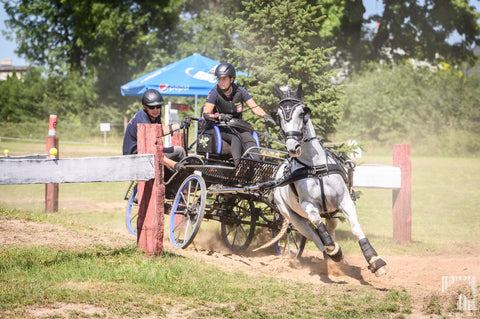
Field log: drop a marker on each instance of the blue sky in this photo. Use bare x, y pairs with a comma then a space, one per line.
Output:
7, 48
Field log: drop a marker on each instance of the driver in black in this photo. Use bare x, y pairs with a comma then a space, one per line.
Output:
225, 104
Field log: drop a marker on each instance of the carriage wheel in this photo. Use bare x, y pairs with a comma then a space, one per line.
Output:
292, 244
187, 211
238, 225
132, 209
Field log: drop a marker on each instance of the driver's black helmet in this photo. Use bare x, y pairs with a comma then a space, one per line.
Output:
152, 97
225, 69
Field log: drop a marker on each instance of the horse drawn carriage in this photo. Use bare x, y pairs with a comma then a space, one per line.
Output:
288, 192
211, 187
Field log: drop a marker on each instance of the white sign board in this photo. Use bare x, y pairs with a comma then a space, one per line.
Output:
105, 127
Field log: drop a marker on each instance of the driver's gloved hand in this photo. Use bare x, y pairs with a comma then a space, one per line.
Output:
185, 122
269, 120
224, 117
179, 166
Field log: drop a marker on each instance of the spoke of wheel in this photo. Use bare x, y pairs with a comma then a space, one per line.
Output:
294, 239
133, 217
229, 231
187, 227
290, 242
242, 229
196, 194
189, 201
236, 237
182, 222
178, 226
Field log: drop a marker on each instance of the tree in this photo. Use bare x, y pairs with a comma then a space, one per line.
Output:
349, 37
277, 42
112, 39
201, 28
389, 104
421, 29
70, 95
21, 99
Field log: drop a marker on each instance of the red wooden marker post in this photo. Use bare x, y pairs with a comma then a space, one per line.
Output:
51, 190
177, 139
402, 199
151, 194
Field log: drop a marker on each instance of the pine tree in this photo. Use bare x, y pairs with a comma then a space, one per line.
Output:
278, 42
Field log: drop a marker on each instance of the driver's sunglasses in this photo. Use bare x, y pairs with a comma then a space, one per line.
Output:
154, 107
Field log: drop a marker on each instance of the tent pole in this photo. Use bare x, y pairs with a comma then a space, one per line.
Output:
196, 115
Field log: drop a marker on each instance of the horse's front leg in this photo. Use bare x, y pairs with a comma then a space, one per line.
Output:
331, 224
376, 264
326, 234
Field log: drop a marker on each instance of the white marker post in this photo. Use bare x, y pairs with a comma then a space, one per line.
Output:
105, 127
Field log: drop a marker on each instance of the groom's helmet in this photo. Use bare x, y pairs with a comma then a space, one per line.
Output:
225, 69
152, 97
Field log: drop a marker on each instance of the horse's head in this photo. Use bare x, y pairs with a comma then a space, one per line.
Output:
292, 116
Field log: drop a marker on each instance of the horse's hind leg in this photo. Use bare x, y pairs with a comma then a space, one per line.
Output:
301, 224
331, 224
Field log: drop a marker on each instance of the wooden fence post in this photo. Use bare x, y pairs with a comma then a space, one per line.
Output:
177, 139
51, 190
402, 207
151, 194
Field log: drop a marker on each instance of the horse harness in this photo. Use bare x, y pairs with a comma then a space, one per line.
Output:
344, 169
318, 172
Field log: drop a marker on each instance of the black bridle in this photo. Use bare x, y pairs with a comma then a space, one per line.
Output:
287, 106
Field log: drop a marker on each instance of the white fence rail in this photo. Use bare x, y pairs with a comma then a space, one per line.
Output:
77, 170
377, 176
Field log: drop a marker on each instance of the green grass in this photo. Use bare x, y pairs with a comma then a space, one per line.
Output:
123, 282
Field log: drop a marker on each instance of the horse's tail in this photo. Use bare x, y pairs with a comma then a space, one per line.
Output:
280, 234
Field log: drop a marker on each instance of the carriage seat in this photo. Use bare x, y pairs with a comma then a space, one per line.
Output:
210, 142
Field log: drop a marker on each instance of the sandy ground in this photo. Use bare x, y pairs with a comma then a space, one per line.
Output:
421, 276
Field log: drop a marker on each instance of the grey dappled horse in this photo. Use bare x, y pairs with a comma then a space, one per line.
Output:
317, 188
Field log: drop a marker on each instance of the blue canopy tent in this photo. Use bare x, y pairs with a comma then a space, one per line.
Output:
192, 76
